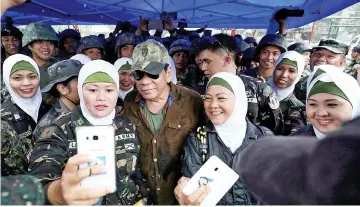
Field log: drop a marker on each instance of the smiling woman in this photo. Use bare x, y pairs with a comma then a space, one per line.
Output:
25, 108
333, 97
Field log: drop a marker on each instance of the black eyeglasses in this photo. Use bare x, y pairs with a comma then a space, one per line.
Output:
203, 42
138, 75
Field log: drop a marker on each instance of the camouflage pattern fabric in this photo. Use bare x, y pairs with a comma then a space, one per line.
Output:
294, 114
306, 72
4, 93
147, 52
274, 40
14, 150
61, 71
88, 42
21, 190
351, 70
333, 45
181, 45
123, 39
300, 89
44, 76
57, 110
188, 77
57, 143
38, 31
300, 47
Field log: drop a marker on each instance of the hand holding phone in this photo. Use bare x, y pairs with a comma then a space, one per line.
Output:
217, 176
71, 192
98, 142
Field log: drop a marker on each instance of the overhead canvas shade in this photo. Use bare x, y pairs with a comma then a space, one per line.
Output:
215, 13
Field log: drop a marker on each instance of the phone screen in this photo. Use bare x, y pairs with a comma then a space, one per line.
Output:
156, 24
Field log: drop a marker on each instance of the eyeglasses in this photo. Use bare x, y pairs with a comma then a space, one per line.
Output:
203, 43
138, 75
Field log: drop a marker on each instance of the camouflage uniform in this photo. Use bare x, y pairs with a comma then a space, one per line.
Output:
88, 42
14, 150
40, 31
21, 190
350, 69
268, 40
57, 143
329, 44
188, 75
294, 114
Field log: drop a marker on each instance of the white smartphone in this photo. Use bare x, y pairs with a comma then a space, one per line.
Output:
98, 141
216, 175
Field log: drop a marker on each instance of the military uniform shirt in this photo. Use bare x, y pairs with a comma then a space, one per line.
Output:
57, 143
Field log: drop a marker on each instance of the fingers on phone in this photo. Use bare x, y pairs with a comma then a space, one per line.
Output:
76, 160
87, 194
90, 171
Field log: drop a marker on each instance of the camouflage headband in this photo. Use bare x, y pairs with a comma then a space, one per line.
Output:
98, 77
23, 65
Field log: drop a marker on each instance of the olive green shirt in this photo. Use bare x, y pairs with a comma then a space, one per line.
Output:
155, 119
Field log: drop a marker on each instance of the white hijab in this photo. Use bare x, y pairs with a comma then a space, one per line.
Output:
282, 93
173, 70
82, 58
347, 84
118, 64
87, 70
31, 105
233, 130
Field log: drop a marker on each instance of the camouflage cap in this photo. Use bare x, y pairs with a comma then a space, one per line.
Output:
123, 39
241, 45
88, 42
38, 31
333, 45
250, 40
356, 49
181, 45
150, 56
68, 33
300, 47
272, 40
62, 71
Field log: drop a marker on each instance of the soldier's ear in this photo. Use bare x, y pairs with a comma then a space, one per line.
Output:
30, 48
62, 89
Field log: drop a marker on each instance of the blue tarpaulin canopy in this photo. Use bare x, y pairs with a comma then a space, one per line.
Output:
216, 13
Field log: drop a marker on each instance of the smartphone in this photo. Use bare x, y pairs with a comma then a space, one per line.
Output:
98, 141
156, 24
207, 32
216, 175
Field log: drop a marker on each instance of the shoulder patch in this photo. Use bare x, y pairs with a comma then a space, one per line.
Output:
273, 101
47, 132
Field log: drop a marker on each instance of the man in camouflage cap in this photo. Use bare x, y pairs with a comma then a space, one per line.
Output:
91, 47
180, 53
305, 50
217, 54
125, 44
351, 69
154, 108
41, 39
267, 52
328, 52
62, 91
